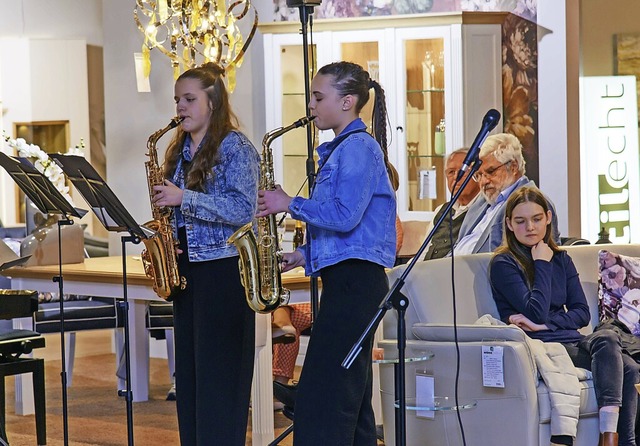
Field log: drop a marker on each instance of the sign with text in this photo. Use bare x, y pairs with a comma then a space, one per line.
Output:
609, 172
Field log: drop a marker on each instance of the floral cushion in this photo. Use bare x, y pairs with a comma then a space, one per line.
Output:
619, 289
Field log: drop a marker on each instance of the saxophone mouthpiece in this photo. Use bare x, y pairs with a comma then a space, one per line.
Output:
304, 121
175, 121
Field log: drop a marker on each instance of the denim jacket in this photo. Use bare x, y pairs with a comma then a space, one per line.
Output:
352, 209
228, 202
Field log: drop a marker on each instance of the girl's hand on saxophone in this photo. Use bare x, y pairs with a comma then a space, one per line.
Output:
167, 194
292, 260
272, 201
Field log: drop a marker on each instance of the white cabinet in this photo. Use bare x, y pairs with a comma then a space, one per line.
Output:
433, 67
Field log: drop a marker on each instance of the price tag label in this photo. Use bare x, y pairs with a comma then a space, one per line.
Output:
425, 395
493, 366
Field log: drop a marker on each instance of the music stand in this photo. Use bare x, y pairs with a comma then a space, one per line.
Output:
48, 200
114, 217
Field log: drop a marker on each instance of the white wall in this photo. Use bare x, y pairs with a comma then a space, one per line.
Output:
558, 92
43, 66
53, 19
43, 80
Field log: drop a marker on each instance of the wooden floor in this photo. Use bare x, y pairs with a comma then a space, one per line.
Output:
96, 415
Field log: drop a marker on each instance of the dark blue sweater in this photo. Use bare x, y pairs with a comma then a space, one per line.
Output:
555, 299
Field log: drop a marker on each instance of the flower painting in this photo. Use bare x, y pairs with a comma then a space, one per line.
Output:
520, 87
619, 289
334, 9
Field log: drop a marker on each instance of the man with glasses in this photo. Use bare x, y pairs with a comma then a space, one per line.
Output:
502, 171
441, 242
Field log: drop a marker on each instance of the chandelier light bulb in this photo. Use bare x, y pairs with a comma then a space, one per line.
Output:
199, 32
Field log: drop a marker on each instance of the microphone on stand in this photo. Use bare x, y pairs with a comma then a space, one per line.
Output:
489, 122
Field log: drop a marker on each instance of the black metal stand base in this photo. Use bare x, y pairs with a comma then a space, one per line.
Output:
127, 393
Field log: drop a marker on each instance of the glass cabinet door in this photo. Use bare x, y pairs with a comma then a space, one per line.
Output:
286, 104
365, 48
290, 151
438, 78
421, 129
294, 142
424, 116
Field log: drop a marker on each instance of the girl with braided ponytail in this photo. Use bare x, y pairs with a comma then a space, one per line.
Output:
351, 238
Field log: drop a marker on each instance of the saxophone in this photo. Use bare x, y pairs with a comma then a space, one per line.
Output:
260, 256
160, 258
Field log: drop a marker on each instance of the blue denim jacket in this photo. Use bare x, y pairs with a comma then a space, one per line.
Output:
229, 200
352, 209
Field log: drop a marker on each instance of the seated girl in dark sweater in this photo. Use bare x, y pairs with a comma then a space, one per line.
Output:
536, 286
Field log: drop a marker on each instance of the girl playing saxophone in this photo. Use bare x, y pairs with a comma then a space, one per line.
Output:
212, 172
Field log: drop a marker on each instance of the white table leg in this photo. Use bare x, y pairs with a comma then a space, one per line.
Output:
139, 349
24, 382
262, 432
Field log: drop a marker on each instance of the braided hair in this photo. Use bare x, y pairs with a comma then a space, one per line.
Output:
349, 78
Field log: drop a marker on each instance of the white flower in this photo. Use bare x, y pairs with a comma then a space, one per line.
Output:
42, 163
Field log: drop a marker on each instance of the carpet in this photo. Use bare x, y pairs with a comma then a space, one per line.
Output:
97, 415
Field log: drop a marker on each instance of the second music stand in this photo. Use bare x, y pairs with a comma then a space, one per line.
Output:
114, 217
48, 200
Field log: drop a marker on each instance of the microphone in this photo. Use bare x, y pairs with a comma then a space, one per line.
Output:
489, 122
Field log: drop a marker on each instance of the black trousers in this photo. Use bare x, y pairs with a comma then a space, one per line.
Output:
215, 347
333, 404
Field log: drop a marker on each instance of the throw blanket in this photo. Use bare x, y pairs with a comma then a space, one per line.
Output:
561, 377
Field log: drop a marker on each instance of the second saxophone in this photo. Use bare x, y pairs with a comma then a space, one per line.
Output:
261, 255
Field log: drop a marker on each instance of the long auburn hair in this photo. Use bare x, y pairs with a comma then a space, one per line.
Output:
349, 78
223, 120
510, 245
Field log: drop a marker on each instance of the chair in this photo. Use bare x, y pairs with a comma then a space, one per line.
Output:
13, 344
522, 407
86, 313
286, 394
573, 241
414, 233
160, 325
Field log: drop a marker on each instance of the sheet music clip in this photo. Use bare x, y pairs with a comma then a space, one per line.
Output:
149, 232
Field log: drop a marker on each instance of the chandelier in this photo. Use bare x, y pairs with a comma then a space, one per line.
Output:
193, 32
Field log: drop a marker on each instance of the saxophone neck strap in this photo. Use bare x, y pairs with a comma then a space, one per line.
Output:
335, 144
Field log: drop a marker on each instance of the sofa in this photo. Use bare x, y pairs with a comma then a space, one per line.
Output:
518, 413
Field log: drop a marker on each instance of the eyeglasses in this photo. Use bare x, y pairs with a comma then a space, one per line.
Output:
489, 173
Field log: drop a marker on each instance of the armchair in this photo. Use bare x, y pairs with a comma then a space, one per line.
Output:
521, 409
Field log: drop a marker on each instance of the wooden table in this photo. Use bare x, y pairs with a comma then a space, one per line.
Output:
102, 276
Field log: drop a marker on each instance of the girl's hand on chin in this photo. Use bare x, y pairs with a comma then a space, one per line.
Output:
541, 251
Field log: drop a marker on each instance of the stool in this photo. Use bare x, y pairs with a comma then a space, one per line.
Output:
14, 343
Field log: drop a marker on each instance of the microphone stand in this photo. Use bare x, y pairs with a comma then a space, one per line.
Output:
305, 12
395, 299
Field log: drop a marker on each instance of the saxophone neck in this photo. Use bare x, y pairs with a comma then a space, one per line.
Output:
153, 139
276, 133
